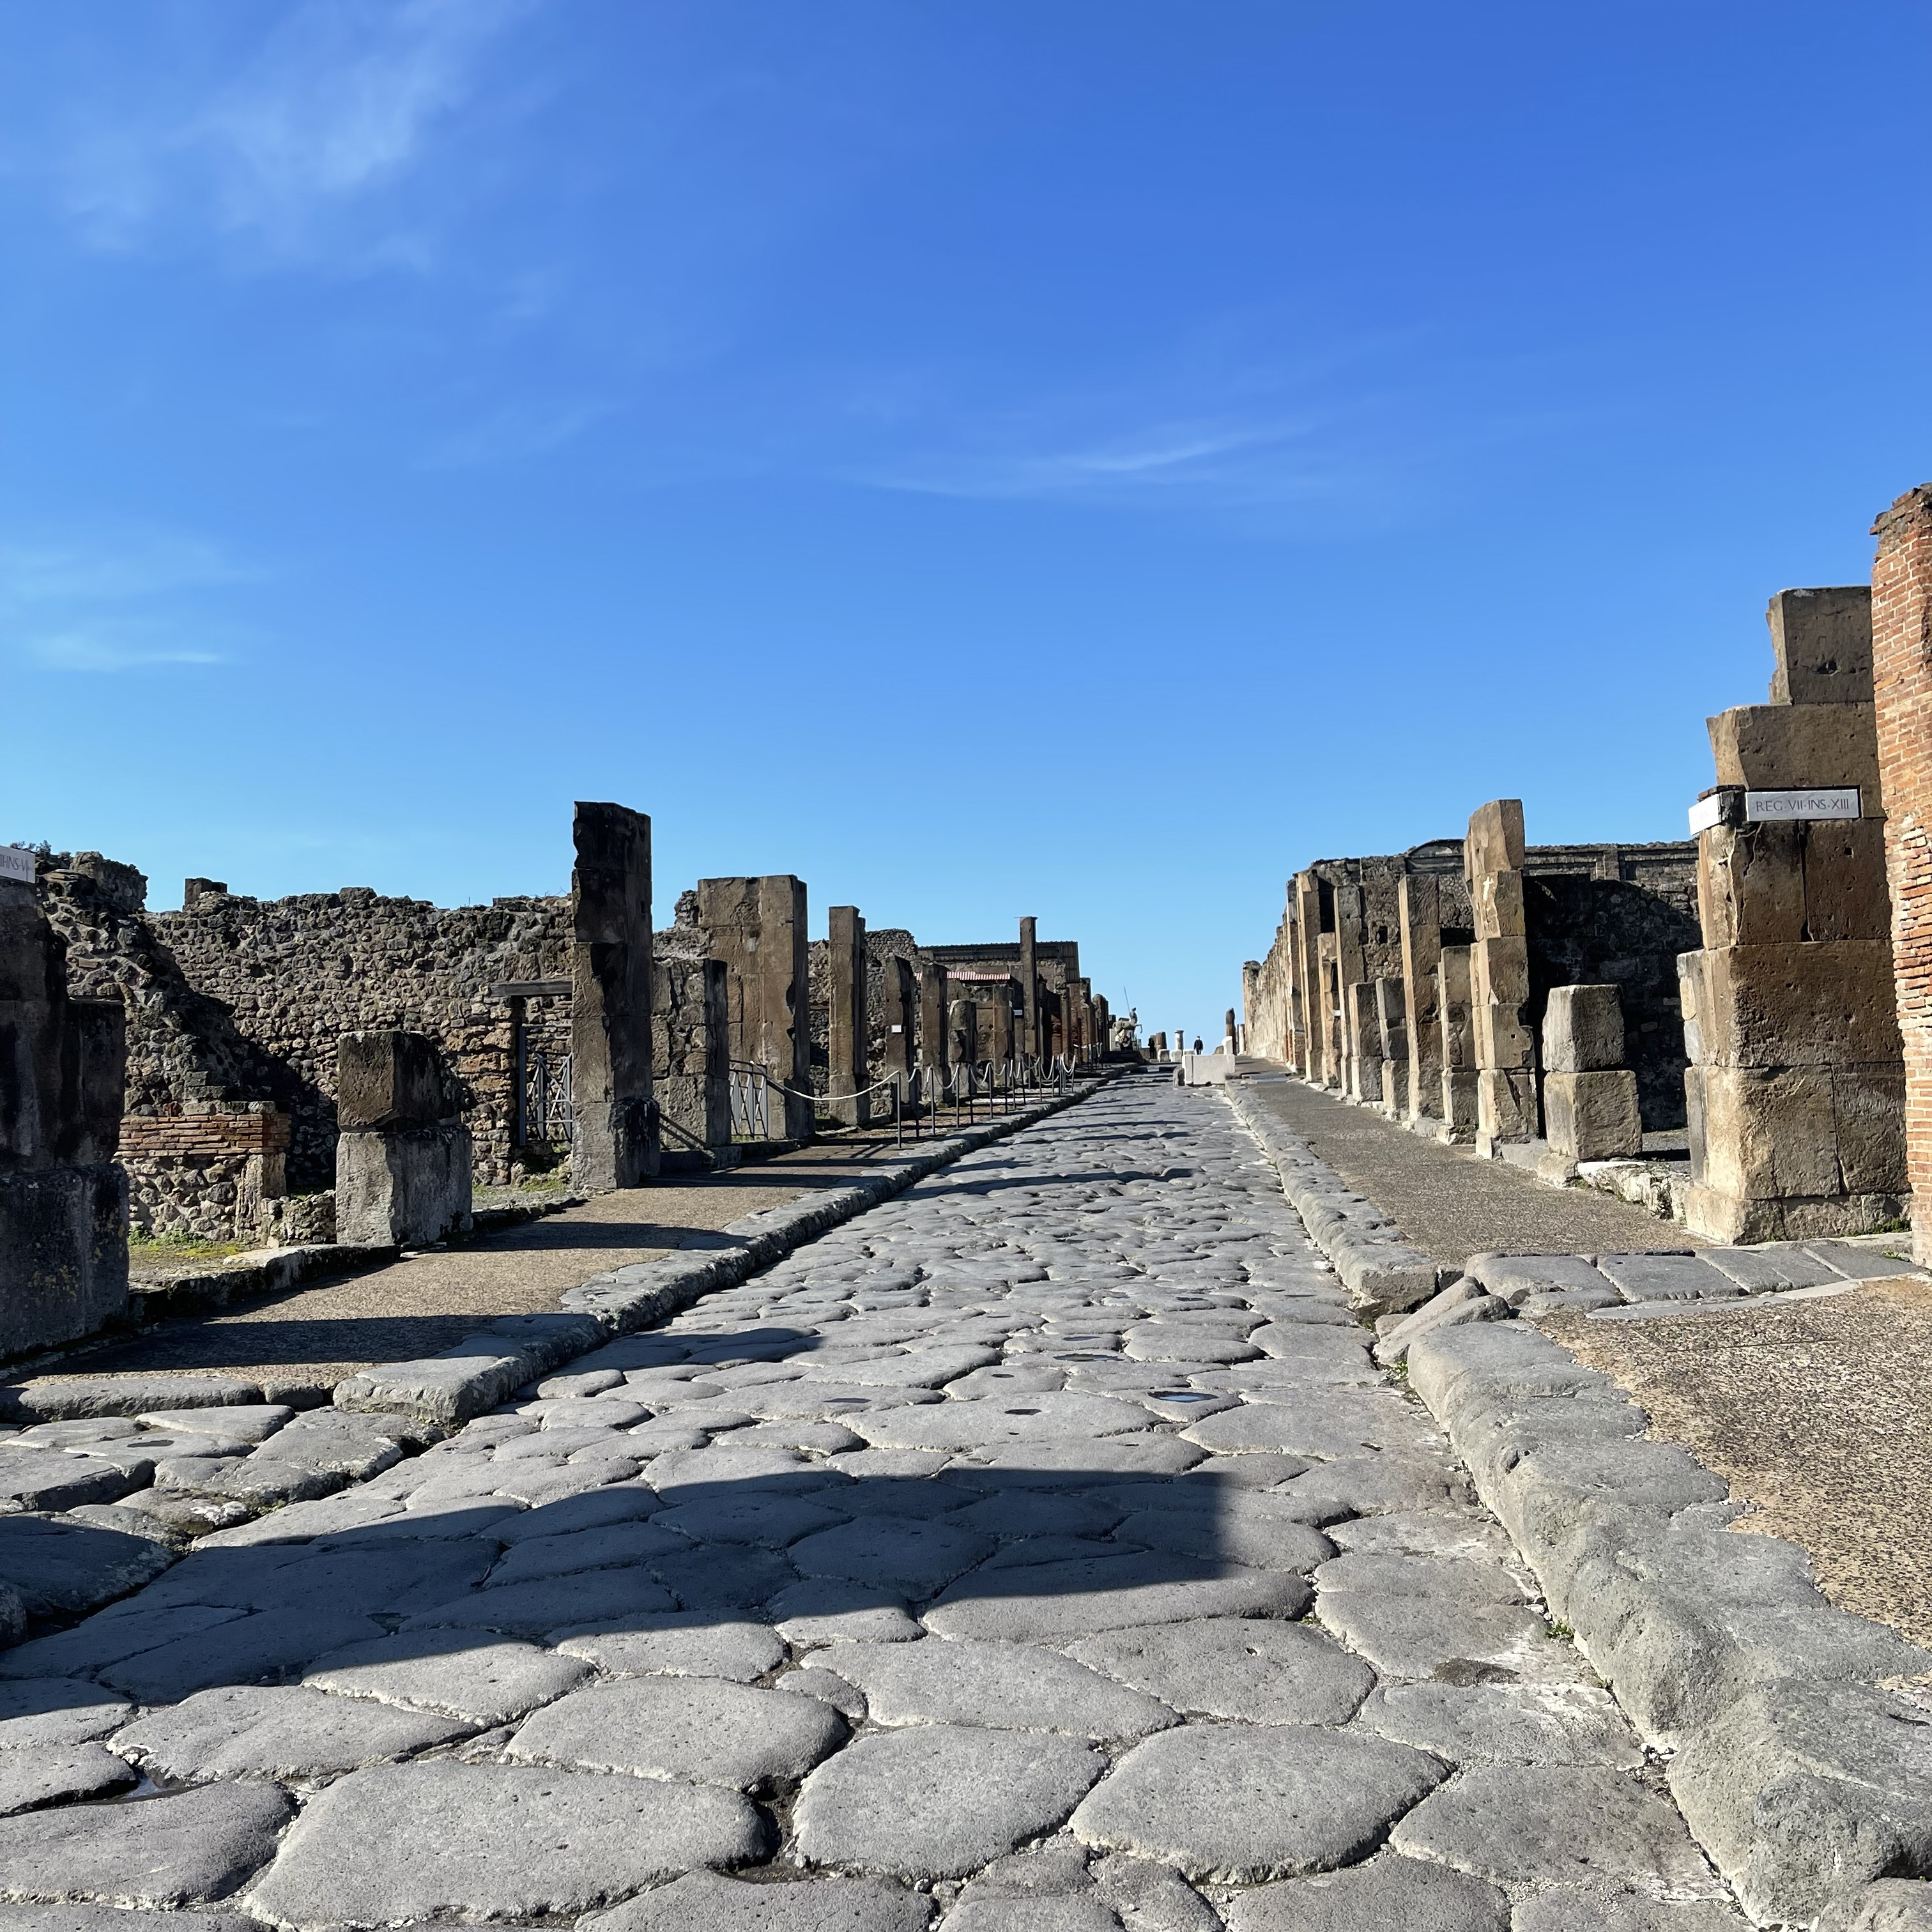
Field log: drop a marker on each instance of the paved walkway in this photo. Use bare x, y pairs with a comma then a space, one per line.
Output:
1039, 1550
1449, 1204
298, 1345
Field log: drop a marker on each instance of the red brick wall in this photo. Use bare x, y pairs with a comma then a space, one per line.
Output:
1902, 676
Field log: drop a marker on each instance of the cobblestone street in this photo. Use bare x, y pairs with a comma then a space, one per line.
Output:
1041, 1549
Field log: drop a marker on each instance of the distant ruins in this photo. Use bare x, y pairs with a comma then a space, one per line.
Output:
341, 1065
1572, 1008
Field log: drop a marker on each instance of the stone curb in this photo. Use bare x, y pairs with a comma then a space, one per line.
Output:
1383, 1274
449, 1388
1806, 1778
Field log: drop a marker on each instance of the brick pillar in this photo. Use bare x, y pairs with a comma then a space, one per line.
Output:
1901, 621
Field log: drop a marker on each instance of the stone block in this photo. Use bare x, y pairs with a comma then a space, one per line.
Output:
1772, 747
1495, 843
1456, 1035
848, 1031
402, 1187
1504, 1039
1499, 972
1751, 884
1825, 1004
1458, 1106
1496, 899
389, 1078
63, 1254
1868, 1117
1763, 1133
1846, 895
1506, 1108
616, 1142
1822, 641
1593, 1116
1583, 1031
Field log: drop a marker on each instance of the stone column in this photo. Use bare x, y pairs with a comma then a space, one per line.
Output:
616, 1144
1365, 1042
690, 1061
999, 1014
962, 1046
1506, 1095
1103, 1026
846, 959
1392, 1023
1901, 621
1795, 1091
1419, 904
901, 1016
1457, 1125
402, 1152
934, 1049
1030, 1033
63, 1072
1314, 1008
757, 927
1589, 1094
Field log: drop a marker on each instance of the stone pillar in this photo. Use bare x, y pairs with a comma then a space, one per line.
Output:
1314, 1016
901, 1017
1365, 1043
1228, 1031
1457, 1124
1029, 1032
1506, 1097
1419, 906
1589, 1094
846, 960
690, 1061
999, 1014
616, 1144
757, 927
1901, 621
962, 1046
1346, 1074
402, 1152
1103, 1027
934, 1050
1326, 1066
1795, 1091
63, 1071
1392, 1023
1252, 1017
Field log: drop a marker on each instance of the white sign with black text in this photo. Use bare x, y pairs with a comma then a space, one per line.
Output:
1810, 802
17, 863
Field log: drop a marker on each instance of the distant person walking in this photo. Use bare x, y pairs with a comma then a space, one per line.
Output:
1197, 1043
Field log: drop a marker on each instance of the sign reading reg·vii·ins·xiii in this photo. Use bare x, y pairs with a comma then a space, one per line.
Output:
17, 863
1812, 802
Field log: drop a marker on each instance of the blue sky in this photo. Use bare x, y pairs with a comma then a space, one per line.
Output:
1085, 459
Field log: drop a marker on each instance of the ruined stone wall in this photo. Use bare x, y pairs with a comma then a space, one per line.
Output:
294, 974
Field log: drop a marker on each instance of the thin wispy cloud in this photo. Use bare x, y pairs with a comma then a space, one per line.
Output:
340, 101
149, 600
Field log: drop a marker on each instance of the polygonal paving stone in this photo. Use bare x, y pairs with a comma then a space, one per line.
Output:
999, 1422
623, 1502
182, 1849
1606, 1909
444, 1840
1329, 1426
679, 1643
1004, 1686
595, 1596
697, 1728
937, 1801
61, 1567
708, 1902
772, 1521
1149, 1898
1417, 1637
51, 1712
1078, 1912
1254, 1541
1258, 1671
59, 1774
254, 1731
1240, 1805
1509, 1723
460, 1673
536, 1557
1470, 1579
1075, 1465
1045, 1602
1386, 1893
270, 1644
1553, 1824
722, 1578
903, 1554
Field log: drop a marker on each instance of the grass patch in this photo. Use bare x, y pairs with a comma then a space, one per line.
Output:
179, 1248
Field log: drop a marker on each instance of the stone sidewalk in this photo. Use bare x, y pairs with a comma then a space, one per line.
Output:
1041, 1549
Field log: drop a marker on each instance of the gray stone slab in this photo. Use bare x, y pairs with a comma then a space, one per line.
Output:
1251, 1669
528, 1609
1857, 1264
697, 1728
62, 1568
1257, 1539
825, 1610
709, 1902
1664, 1277
1602, 1909
771, 1521
51, 1399
1237, 1805
1000, 1423
724, 1578
913, 1557
46, 1713
445, 1840
1029, 1513
1148, 1898
458, 1673
109, 1919
1386, 1893
679, 1643
1779, 1265
1076, 1465
292, 1733
1552, 1825
939, 1801
1472, 1579
597, 1509
185, 1848
121, 1631
1060, 1912
1516, 1278
1507, 1724
1045, 1603
59, 1774
1004, 1686
1418, 1637
269, 1644
531, 1558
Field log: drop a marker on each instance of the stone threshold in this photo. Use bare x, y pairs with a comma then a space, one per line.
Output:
1787, 1732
